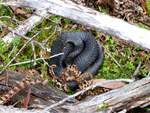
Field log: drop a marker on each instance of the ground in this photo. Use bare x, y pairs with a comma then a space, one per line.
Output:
121, 58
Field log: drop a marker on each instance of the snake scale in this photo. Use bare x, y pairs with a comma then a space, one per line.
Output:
80, 49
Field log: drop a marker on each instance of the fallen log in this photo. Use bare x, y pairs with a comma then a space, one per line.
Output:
125, 98
128, 97
42, 95
90, 17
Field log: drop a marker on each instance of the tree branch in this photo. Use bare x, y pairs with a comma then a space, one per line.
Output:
90, 17
27, 25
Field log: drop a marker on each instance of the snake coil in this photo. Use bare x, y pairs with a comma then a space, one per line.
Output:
80, 49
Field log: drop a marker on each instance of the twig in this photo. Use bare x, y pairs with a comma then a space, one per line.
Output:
113, 59
134, 76
30, 61
44, 61
11, 52
18, 53
45, 41
34, 53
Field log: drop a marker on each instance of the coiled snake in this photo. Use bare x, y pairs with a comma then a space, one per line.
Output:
80, 49
74, 70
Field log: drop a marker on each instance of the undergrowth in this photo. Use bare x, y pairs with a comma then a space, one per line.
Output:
128, 56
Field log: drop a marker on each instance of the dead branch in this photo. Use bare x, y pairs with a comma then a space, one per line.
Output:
27, 25
34, 60
90, 17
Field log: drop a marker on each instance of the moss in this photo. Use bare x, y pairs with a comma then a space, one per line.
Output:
127, 55
102, 107
148, 6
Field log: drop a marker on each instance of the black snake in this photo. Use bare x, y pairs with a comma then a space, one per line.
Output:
80, 49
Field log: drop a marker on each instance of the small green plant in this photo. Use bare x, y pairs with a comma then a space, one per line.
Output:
16, 41
102, 107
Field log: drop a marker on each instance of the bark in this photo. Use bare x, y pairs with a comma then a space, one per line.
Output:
92, 18
130, 96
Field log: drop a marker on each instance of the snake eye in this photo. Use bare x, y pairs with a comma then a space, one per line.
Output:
72, 85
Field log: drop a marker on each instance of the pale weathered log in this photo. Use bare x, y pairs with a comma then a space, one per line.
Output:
128, 97
90, 17
27, 25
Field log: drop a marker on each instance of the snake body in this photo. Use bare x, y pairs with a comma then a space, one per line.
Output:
80, 49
